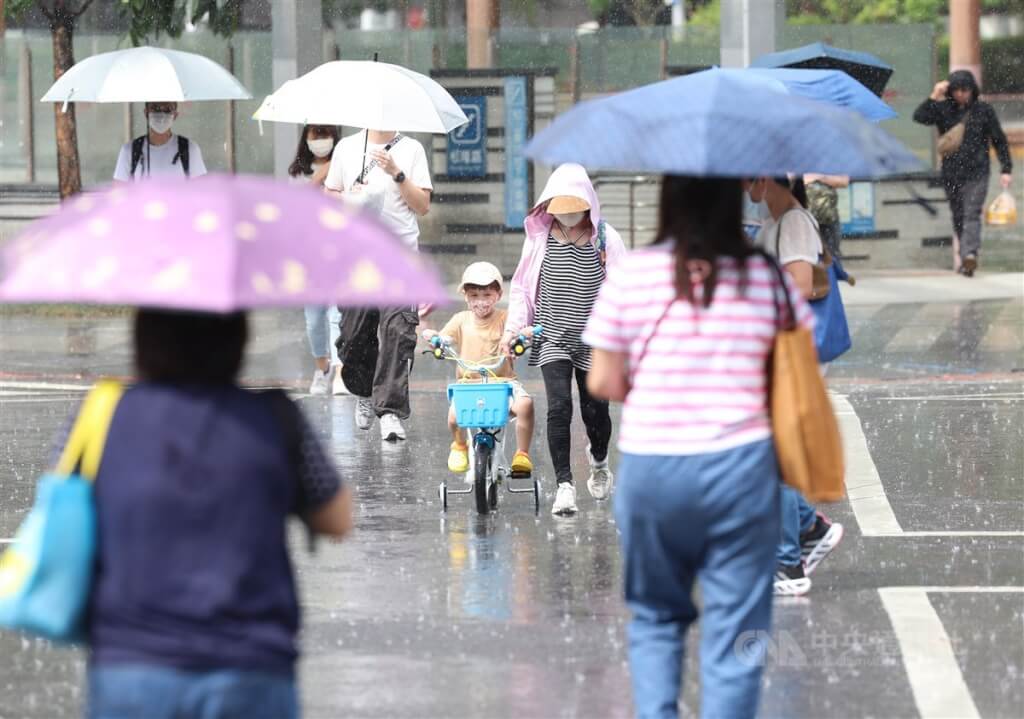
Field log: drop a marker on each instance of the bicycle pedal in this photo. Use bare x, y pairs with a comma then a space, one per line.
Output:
521, 475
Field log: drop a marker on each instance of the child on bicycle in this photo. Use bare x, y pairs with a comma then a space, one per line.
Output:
476, 334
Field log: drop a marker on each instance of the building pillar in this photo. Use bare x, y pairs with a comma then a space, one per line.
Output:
965, 36
749, 29
296, 40
482, 21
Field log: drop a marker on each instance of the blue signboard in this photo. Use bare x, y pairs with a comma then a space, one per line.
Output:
857, 208
467, 145
517, 172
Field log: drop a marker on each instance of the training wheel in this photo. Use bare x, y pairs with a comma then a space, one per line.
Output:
536, 495
442, 493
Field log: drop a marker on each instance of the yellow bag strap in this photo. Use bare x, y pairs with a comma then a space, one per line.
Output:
89, 432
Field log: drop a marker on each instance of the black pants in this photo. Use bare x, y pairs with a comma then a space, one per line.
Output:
376, 348
966, 202
558, 386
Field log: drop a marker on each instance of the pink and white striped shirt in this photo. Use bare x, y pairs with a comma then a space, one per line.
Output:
701, 384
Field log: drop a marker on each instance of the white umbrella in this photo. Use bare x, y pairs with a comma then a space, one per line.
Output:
146, 74
364, 94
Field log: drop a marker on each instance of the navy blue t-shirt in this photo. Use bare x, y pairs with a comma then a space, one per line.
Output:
192, 495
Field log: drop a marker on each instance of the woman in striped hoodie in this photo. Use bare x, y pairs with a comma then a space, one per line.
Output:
567, 252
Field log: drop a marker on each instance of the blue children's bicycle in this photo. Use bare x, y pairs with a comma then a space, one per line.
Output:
483, 405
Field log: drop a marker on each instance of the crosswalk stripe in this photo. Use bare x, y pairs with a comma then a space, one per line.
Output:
1006, 334
923, 329
932, 669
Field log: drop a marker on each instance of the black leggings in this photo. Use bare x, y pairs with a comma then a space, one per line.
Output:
558, 386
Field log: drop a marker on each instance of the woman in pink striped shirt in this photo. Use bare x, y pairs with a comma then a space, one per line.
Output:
682, 333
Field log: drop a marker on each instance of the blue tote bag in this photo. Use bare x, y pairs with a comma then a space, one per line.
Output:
46, 573
831, 331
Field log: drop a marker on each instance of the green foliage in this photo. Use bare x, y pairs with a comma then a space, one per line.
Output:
1002, 63
152, 18
842, 12
708, 16
14, 9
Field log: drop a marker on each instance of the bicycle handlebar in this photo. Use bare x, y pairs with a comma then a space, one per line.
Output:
442, 349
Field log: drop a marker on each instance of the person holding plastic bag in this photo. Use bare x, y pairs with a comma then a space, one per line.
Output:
967, 127
791, 235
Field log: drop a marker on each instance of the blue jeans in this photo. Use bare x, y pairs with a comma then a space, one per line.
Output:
132, 691
709, 516
797, 516
323, 325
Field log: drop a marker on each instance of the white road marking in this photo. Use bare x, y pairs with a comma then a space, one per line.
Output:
46, 386
1004, 397
924, 328
863, 485
967, 533
938, 686
952, 590
1006, 332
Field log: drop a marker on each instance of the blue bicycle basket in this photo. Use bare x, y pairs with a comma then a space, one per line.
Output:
481, 405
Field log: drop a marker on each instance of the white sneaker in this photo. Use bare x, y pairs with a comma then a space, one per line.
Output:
391, 428
338, 384
319, 385
565, 499
364, 412
601, 479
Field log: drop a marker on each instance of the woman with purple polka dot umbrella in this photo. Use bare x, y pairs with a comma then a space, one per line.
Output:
192, 606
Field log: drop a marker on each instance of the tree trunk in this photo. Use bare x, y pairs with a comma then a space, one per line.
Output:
69, 172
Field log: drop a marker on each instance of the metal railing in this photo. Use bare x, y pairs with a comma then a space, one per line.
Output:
641, 217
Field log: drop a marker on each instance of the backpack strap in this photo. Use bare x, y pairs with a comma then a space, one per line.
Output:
137, 144
182, 154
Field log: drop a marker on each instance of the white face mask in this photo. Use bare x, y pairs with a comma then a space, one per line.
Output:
572, 219
160, 122
321, 147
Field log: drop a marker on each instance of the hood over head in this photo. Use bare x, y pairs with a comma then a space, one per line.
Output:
570, 180
963, 79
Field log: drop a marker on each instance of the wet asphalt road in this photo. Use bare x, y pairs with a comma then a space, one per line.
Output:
426, 614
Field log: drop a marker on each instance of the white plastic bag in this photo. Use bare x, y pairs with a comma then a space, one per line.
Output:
1002, 211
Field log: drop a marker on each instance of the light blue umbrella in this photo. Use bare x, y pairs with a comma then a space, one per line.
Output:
833, 87
720, 123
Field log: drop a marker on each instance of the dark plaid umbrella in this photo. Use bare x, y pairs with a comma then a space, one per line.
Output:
861, 66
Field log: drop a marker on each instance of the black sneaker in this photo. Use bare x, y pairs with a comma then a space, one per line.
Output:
790, 581
817, 542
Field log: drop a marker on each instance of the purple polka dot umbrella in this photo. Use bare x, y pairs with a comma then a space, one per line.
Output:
217, 243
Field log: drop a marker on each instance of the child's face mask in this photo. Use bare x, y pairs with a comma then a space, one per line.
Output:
481, 302
571, 219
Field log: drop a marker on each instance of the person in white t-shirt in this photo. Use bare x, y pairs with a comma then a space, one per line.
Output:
791, 235
159, 152
377, 346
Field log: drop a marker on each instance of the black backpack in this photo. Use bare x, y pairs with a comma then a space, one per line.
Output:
182, 154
